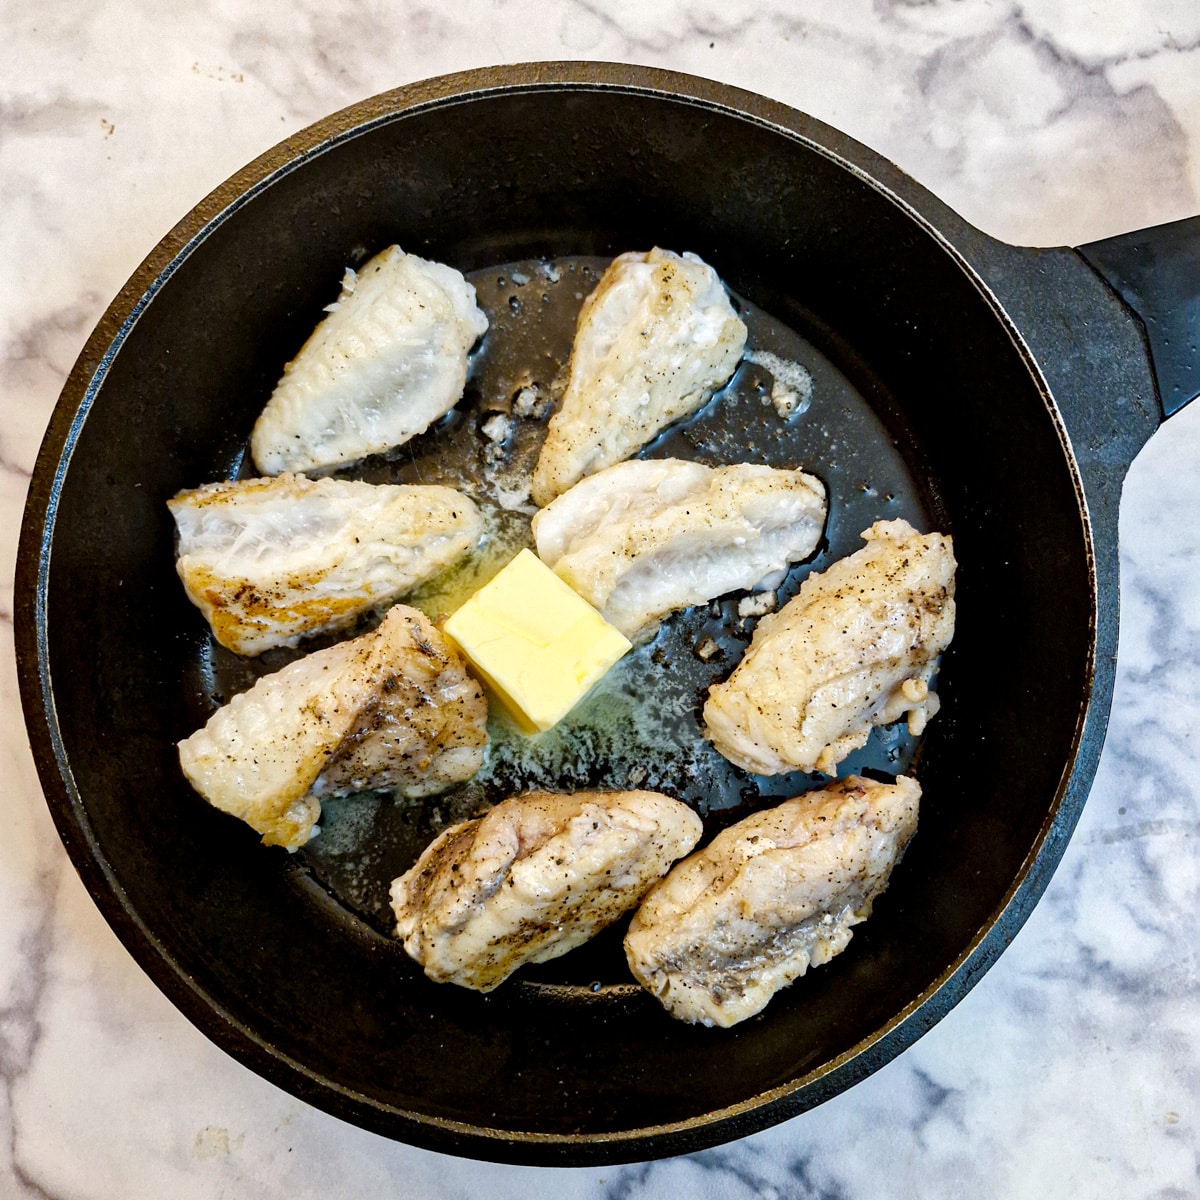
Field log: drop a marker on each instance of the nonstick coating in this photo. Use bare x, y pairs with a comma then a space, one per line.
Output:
248, 942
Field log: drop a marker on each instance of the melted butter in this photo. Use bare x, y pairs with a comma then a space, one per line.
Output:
792, 383
505, 535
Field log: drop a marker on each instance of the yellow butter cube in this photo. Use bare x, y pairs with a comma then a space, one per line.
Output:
537, 643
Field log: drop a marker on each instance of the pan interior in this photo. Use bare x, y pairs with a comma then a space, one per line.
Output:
919, 395
641, 726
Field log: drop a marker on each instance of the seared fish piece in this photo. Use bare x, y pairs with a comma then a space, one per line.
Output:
768, 898
654, 340
394, 708
271, 561
390, 359
643, 538
536, 876
855, 648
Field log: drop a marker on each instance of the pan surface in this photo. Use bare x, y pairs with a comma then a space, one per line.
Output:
925, 404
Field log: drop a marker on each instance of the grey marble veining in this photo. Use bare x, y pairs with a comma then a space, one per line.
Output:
1073, 1069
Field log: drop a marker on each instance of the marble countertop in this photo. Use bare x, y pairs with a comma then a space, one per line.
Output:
1073, 1068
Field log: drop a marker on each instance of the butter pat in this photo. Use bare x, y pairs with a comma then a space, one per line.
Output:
537, 643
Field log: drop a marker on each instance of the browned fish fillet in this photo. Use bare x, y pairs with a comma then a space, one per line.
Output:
770, 897
855, 648
643, 538
654, 340
537, 875
394, 708
388, 360
272, 561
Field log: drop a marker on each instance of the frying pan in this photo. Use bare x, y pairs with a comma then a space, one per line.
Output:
1007, 389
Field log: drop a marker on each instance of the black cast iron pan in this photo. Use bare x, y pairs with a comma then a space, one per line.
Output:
994, 392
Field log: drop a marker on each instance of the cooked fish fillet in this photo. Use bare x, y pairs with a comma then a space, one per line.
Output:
643, 538
768, 898
855, 648
654, 340
394, 708
270, 561
388, 360
536, 876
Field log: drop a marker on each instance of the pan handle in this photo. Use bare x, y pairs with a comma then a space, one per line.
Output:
1156, 271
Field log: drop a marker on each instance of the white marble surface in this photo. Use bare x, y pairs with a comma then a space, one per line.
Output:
1073, 1069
